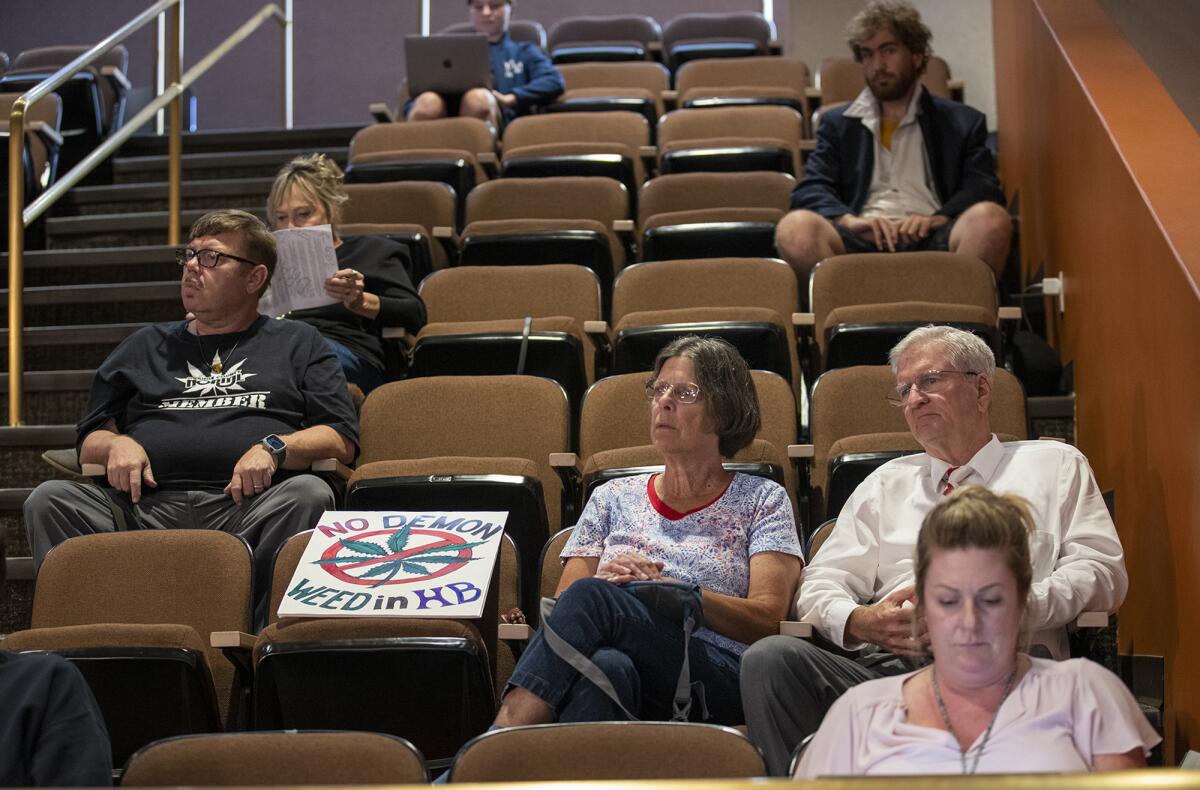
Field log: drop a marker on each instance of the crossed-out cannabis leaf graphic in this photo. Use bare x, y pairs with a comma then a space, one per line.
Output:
397, 557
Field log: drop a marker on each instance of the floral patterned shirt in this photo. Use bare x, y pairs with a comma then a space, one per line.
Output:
710, 546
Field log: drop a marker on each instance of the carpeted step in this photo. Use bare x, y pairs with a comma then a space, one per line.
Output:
152, 196
122, 230
236, 164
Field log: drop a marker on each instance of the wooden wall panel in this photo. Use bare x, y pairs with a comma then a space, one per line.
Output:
1106, 167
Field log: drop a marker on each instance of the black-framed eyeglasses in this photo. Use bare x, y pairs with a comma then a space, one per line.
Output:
929, 382
685, 392
206, 257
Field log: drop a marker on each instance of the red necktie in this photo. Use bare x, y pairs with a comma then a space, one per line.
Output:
948, 486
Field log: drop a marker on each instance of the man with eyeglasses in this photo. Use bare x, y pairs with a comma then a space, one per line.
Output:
523, 77
858, 591
209, 422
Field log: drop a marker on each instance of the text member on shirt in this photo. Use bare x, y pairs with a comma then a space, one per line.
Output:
209, 422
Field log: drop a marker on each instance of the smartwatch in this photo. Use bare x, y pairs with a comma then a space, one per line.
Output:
276, 447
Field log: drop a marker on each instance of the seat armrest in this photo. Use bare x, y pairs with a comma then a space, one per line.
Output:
649, 155
381, 112
796, 628
49, 135
597, 332
489, 162
800, 451
332, 466
231, 639
624, 227
1009, 313
566, 466
1092, 620
116, 75
238, 647
514, 632
670, 97
394, 333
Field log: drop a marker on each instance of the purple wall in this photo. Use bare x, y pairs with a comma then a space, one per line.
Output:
348, 54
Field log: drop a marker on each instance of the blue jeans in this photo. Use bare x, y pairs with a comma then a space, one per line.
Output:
357, 372
639, 651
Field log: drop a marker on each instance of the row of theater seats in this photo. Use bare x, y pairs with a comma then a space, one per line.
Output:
538, 753
636, 37
646, 87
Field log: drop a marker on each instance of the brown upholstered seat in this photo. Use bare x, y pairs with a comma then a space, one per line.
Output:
631, 750
633, 86
712, 215
863, 304
276, 758
620, 37
135, 610
721, 35
719, 82
420, 214
725, 139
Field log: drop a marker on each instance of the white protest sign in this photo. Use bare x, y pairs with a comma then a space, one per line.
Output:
400, 564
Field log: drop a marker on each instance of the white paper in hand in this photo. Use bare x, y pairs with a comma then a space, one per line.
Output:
306, 261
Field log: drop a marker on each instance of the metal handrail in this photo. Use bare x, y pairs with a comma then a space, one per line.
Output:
20, 216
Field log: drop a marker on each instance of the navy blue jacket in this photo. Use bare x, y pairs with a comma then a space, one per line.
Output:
520, 68
837, 175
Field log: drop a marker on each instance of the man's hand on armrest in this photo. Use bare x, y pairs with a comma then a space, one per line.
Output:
888, 624
126, 464
254, 471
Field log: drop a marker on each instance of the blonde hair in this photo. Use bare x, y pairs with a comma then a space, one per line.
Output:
318, 178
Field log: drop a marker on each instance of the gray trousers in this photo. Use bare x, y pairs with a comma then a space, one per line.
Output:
788, 684
61, 509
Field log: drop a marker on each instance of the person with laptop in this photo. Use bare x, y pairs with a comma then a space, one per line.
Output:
523, 77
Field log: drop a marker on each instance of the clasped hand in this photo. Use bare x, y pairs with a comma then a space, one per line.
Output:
887, 233
889, 624
630, 567
251, 474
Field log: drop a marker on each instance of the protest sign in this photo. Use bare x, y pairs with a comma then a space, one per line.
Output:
402, 564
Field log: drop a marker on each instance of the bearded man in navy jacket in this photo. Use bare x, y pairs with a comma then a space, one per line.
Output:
897, 169
523, 77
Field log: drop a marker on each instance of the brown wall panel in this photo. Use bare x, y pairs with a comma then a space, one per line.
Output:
1106, 167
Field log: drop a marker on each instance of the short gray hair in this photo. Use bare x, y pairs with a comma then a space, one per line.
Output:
726, 384
967, 351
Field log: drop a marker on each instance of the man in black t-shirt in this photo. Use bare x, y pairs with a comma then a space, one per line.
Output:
209, 423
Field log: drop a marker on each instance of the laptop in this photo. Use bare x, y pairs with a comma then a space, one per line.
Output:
447, 64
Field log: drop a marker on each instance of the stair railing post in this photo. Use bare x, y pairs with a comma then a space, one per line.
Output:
175, 141
16, 263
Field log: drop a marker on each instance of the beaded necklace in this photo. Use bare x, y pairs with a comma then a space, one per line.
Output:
962, 753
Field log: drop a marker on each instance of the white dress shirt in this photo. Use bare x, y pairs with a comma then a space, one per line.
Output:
901, 179
1078, 563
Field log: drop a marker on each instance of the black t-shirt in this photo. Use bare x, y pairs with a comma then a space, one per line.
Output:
51, 731
195, 422
384, 267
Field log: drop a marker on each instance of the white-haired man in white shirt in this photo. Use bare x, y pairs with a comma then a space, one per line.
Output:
858, 591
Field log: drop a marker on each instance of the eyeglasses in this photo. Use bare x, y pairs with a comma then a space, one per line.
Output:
207, 258
684, 392
929, 382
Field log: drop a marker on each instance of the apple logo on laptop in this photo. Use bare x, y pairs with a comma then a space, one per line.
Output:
447, 64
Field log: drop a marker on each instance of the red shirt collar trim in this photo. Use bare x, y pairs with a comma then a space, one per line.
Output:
666, 511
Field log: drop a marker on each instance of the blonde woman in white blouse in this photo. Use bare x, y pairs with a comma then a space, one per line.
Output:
981, 706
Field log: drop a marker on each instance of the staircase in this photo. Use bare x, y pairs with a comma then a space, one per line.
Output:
105, 272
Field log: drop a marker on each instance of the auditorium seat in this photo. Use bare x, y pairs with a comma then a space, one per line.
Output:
428, 680
631, 751
460, 152
614, 432
633, 86
478, 317
610, 144
288, 759
550, 563
712, 215
620, 37
864, 304
725, 139
722, 35
747, 301
560, 219
418, 214
449, 437
519, 29
855, 430
43, 142
731, 82
133, 611
93, 100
